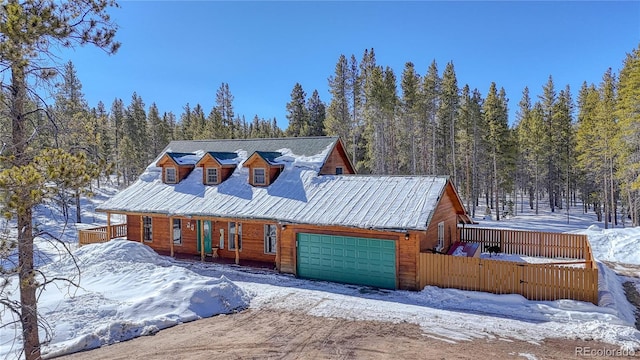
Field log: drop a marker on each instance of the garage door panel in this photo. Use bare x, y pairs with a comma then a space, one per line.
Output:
347, 259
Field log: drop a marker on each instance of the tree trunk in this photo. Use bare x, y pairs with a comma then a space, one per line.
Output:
495, 185
453, 151
605, 203
78, 215
612, 209
26, 275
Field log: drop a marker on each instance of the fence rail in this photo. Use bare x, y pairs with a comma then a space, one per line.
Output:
531, 243
99, 234
533, 281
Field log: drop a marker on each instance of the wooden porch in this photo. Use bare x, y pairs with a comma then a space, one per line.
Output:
101, 234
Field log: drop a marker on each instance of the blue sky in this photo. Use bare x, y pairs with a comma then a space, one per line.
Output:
175, 53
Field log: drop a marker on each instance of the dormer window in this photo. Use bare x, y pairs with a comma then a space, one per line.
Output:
258, 176
212, 176
217, 166
170, 175
176, 166
263, 167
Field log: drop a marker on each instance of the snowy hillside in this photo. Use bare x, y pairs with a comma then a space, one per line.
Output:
127, 290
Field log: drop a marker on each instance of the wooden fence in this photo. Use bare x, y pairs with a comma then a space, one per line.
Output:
531, 243
99, 234
533, 281
576, 280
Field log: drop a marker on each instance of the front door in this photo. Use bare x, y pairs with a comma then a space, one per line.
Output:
207, 236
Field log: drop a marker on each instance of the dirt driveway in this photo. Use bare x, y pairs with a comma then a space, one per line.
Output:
269, 334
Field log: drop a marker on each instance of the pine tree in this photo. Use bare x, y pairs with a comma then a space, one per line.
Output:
29, 33
198, 124
563, 120
411, 106
497, 138
317, 115
297, 113
105, 144
116, 120
609, 131
170, 125
547, 101
590, 159
354, 82
215, 128
446, 126
338, 121
157, 135
525, 144
135, 153
428, 122
628, 139
184, 127
224, 107
465, 139
71, 111
367, 68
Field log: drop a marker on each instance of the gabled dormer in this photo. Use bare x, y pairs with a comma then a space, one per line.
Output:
176, 166
263, 169
337, 161
217, 166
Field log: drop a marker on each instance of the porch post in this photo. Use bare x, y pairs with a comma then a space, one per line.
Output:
201, 240
109, 226
235, 243
171, 234
141, 228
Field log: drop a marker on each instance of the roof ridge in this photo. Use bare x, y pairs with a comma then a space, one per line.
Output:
261, 139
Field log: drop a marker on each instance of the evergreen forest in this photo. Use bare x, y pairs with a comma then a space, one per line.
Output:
567, 146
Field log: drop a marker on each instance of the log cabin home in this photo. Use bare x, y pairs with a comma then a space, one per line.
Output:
295, 203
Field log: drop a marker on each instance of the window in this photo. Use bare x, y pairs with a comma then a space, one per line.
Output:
170, 175
147, 231
258, 176
212, 176
440, 236
338, 170
177, 232
270, 239
232, 234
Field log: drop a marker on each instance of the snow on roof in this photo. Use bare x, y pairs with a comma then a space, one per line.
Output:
299, 195
184, 158
269, 156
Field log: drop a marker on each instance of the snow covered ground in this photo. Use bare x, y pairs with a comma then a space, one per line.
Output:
127, 290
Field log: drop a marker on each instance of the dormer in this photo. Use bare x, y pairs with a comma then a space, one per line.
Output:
263, 169
337, 162
176, 166
217, 166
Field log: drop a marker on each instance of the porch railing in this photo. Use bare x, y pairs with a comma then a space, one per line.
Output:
99, 234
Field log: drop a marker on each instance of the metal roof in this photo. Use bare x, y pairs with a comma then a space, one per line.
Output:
299, 195
304, 146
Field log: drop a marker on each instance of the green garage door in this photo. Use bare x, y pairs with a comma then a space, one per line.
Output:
345, 259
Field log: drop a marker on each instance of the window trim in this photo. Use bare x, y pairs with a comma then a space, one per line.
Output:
440, 245
267, 236
147, 228
166, 175
178, 241
341, 170
217, 176
264, 176
231, 234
